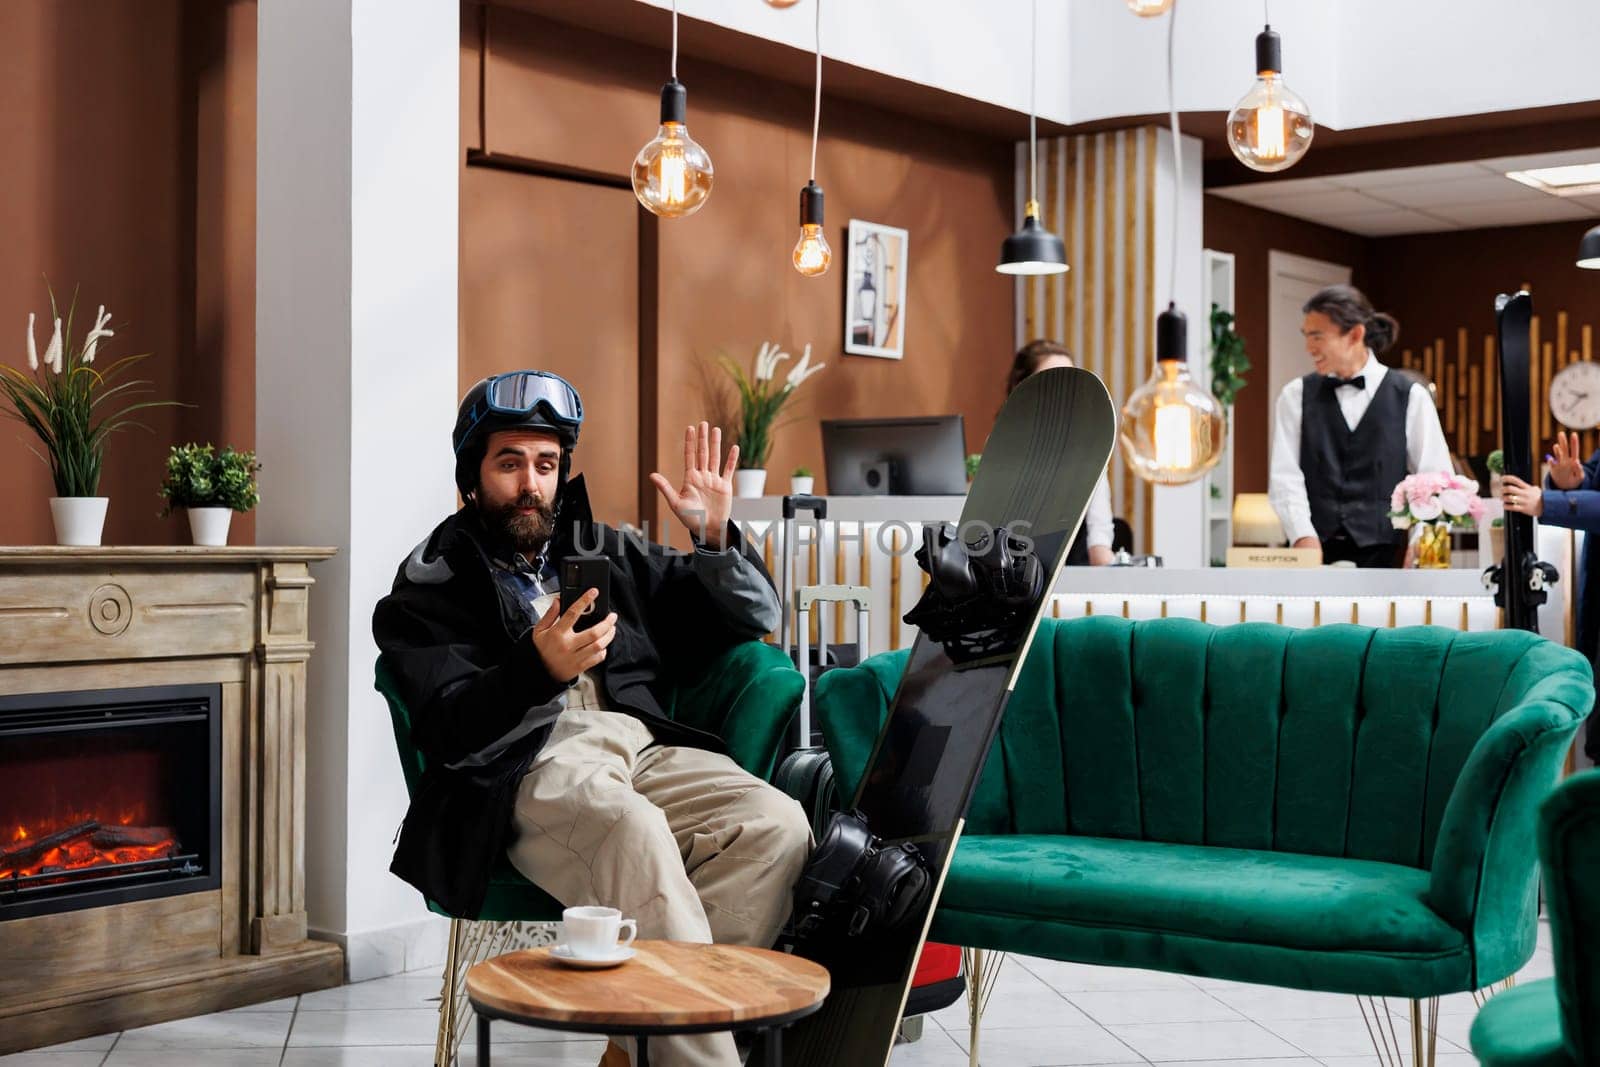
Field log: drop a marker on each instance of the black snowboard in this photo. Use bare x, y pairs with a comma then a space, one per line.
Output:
1519, 580
1040, 465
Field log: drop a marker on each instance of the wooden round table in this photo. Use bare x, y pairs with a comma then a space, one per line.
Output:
669, 987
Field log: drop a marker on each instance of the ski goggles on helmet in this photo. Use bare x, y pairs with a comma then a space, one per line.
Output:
521, 393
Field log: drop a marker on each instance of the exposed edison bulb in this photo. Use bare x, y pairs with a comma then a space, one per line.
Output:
812, 255
1270, 128
1171, 430
672, 174
1145, 9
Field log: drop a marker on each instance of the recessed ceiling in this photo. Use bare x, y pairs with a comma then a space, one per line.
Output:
1445, 196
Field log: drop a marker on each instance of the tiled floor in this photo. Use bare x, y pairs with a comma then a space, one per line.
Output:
1042, 1014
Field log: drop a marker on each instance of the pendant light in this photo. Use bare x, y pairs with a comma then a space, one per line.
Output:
811, 253
1033, 249
1270, 128
1589, 250
1149, 9
1172, 429
672, 174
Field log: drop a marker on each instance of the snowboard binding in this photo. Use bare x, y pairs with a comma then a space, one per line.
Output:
1540, 577
983, 589
855, 886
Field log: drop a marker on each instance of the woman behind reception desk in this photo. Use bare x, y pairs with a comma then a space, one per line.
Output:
1347, 433
1092, 546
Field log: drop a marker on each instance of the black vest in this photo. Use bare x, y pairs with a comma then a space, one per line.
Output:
1350, 473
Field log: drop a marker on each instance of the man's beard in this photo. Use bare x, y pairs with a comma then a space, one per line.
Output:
527, 533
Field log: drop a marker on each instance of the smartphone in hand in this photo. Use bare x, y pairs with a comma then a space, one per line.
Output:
579, 574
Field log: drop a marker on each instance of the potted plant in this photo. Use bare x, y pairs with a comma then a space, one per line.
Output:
761, 399
73, 407
211, 485
1496, 462
801, 481
1228, 359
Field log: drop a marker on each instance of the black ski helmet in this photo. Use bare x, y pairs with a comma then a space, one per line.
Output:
517, 400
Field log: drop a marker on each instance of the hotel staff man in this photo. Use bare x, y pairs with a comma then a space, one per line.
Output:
1347, 433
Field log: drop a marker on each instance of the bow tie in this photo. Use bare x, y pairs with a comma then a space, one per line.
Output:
1357, 382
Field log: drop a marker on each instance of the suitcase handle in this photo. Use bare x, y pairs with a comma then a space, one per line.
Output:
860, 596
797, 502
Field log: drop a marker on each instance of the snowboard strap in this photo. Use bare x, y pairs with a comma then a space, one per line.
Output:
854, 886
982, 589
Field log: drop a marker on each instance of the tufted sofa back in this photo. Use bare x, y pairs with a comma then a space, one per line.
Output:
1338, 740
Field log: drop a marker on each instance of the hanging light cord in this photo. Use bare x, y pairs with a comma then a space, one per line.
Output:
816, 107
1033, 105
1266, 11
674, 40
1177, 152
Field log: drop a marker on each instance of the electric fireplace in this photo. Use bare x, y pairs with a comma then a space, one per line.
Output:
108, 796
153, 759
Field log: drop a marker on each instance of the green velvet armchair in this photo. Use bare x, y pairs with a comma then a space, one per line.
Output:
1555, 1022
748, 696
1339, 808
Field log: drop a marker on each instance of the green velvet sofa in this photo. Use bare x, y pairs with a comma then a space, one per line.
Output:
1339, 808
748, 696
1555, 1022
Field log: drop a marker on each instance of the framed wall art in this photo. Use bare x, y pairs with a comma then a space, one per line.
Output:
875, 291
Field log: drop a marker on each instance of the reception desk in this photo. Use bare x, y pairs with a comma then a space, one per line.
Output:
871, 540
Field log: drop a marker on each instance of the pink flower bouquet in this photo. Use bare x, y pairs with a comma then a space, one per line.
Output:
1434, 496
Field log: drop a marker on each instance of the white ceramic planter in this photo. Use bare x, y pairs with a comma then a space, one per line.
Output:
800, 485
209, 526
79, 519
747, 483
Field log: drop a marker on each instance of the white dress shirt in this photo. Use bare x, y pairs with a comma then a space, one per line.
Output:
1097, 521
1426, 449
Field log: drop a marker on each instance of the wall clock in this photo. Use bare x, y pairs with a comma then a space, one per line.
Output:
1575, 396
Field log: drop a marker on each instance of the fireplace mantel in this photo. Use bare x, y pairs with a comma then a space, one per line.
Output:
110, 617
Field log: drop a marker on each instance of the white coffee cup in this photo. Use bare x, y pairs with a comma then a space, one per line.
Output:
590, 933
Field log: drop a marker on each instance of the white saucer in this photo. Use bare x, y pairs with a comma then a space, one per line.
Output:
564, 954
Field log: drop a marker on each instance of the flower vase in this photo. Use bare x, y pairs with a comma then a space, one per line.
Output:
749, 481
1433, 545
800, 485
79, 520
209, 526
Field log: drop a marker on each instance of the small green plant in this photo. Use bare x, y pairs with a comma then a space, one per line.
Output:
1496, 462
198, 476
1216, 492
1228, 359
802, 472
972, 465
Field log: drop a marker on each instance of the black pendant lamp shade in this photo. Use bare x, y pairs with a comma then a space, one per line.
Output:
1032, 249
1172, 334
1589, 250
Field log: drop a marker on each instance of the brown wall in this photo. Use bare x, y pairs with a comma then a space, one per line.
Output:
1436, 282
1250, 233
128, 174
723, 276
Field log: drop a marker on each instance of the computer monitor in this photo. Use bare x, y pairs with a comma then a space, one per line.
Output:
901, 457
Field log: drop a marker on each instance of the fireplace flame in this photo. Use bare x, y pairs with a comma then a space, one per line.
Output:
83, 842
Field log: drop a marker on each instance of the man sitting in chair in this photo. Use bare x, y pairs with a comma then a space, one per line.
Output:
549, 742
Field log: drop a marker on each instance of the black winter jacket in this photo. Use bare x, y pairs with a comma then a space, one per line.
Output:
455, 636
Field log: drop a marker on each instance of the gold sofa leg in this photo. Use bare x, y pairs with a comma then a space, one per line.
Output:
473, 942
1386, 1037
981, 968
444, 1046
